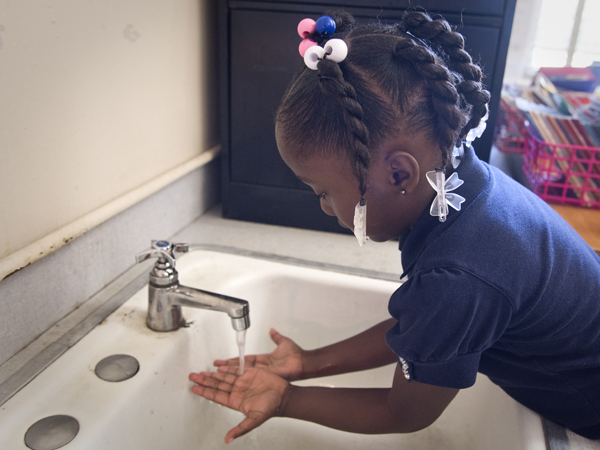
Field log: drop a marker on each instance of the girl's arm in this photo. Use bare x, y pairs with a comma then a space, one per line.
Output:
366, 350
405, 408
260, 395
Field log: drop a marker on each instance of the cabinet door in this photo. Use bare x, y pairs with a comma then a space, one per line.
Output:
260, 187
264, 59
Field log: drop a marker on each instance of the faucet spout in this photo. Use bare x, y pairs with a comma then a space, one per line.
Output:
238, 310
166, 296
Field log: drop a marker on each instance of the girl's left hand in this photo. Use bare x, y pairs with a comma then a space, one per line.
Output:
258, 394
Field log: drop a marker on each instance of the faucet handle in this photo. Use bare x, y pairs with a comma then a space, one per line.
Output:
164, 251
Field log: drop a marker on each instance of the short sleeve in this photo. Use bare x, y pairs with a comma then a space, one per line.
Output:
445, 319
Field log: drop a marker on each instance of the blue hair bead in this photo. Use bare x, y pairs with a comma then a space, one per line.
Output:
325, 26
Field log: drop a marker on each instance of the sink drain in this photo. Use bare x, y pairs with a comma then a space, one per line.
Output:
117, 368
51, 432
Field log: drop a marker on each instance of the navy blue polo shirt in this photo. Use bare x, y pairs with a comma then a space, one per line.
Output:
507, 288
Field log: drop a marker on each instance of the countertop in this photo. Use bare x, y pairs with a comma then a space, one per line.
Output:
322, 247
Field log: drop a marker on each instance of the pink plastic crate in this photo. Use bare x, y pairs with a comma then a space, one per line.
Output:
561, 173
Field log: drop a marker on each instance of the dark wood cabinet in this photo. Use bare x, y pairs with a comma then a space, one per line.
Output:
258, 58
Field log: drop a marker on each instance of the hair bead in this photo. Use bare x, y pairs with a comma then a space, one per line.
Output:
305, 45
325, 26
336, 50
306, 27
312, 56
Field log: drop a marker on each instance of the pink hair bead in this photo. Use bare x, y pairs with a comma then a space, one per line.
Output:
306, 26
305, 45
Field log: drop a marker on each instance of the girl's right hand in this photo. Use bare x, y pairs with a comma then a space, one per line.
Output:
258, 394
286, 361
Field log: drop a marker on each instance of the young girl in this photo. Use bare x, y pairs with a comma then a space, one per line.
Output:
498, 284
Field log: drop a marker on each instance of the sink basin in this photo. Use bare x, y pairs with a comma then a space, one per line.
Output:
156, 410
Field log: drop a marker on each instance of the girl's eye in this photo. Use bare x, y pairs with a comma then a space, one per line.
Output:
322, 196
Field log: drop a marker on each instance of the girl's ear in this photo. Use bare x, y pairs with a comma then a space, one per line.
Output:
402, 171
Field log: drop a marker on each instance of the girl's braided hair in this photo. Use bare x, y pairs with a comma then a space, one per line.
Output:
415, 75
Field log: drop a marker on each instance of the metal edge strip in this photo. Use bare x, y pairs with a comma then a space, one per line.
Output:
59, 238
123, 287
555, 435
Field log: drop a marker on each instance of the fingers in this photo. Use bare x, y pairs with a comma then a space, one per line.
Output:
227, 362
235, 370
216, 387
228, 365
218, 380
276, 336
246, 394
253, 420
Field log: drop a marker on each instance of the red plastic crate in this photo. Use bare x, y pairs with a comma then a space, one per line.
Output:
562, 173
509, 134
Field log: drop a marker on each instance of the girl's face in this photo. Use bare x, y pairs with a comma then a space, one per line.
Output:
332, 181
336, 186
389, 212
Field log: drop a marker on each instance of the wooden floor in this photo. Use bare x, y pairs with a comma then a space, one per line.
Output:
585, 221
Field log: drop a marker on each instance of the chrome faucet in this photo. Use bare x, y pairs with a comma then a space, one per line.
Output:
166, 296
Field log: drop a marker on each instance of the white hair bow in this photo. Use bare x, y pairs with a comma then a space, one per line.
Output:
437, 180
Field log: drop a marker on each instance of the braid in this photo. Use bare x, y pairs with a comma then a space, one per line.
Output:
414, 76
331, 81
438, 31
444, 96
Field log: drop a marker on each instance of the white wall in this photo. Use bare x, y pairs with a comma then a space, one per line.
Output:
521, 42
98, 97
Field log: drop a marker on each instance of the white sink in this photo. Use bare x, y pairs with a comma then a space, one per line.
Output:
156, 410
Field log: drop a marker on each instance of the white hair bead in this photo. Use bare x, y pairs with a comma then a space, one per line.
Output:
313, 55
336, 50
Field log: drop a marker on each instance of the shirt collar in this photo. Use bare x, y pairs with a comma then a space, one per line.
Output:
413, 243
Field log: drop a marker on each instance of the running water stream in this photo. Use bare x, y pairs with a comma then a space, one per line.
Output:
241, 343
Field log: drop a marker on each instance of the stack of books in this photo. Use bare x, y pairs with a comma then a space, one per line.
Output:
564, 130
